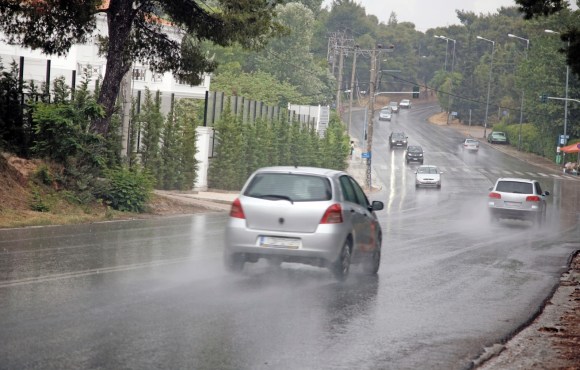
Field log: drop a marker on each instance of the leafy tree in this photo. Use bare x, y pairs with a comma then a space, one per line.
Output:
289, 58
226, 170
136, 33
12, 136
571, 35
151, 126
259, 86
186, 121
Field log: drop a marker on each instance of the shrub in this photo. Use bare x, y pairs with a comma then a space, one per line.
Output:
125, 189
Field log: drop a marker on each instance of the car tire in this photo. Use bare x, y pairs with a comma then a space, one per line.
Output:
541, 218
341, 266
371, 267
421, 162
234, 262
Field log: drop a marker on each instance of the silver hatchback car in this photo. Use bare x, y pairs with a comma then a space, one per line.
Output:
515, 198
314, 216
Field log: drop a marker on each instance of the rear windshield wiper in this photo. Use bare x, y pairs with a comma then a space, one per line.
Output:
275, 197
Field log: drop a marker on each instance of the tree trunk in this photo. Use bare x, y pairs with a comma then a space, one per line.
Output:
120, 16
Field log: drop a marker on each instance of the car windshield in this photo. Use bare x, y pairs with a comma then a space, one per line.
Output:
515, 187
398, 135
414, 149
471, 141
385, 111
393, 104
293, 187
428, 170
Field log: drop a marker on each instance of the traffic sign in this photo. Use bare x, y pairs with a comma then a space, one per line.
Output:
366, 155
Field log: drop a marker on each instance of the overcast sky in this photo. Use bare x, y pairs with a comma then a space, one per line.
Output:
427, 14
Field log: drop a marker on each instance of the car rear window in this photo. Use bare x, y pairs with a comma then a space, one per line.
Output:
515, 187
298, 188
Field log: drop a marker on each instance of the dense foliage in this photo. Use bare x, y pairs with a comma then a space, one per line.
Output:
243, 148
277, 52
137, 30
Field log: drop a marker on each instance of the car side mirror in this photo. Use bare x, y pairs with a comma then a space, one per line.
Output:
490, 189
377, 205
546, 193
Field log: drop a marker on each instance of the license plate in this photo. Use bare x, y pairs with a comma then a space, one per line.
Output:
513, 204
275, 242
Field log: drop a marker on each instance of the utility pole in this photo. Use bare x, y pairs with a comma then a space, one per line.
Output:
371, 114
351, 89
339, 88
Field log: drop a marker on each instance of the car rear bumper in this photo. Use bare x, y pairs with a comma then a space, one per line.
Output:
323, 246
415, 159
515, 214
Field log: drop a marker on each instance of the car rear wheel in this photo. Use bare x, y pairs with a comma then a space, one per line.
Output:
234, 262
541, 218
341, 267
371, 267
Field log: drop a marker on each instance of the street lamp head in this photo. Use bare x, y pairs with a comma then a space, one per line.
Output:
479, 37
511, 35
550, 31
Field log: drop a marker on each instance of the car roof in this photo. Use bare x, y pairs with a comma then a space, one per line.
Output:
428, 166
516, 179
300, 170
397, 133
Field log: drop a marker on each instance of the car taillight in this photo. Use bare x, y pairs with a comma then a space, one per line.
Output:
333, 215
495, 195
532, 198
237, 211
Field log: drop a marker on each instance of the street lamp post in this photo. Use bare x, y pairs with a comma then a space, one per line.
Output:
566, 94
446, 47
522, 102
452, 66
488, 83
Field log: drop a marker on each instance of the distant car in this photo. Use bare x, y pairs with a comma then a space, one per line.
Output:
397, 140
394, 106
385, 114
497, 137
428, 175
405, 104
516, 198
306, 215
471, 144
414, 153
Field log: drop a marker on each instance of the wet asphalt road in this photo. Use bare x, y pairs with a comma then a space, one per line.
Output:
153, 294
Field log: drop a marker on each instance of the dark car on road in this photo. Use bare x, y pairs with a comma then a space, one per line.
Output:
397, 140
414, 153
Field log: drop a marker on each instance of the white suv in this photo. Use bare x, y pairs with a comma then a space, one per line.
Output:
520, 199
